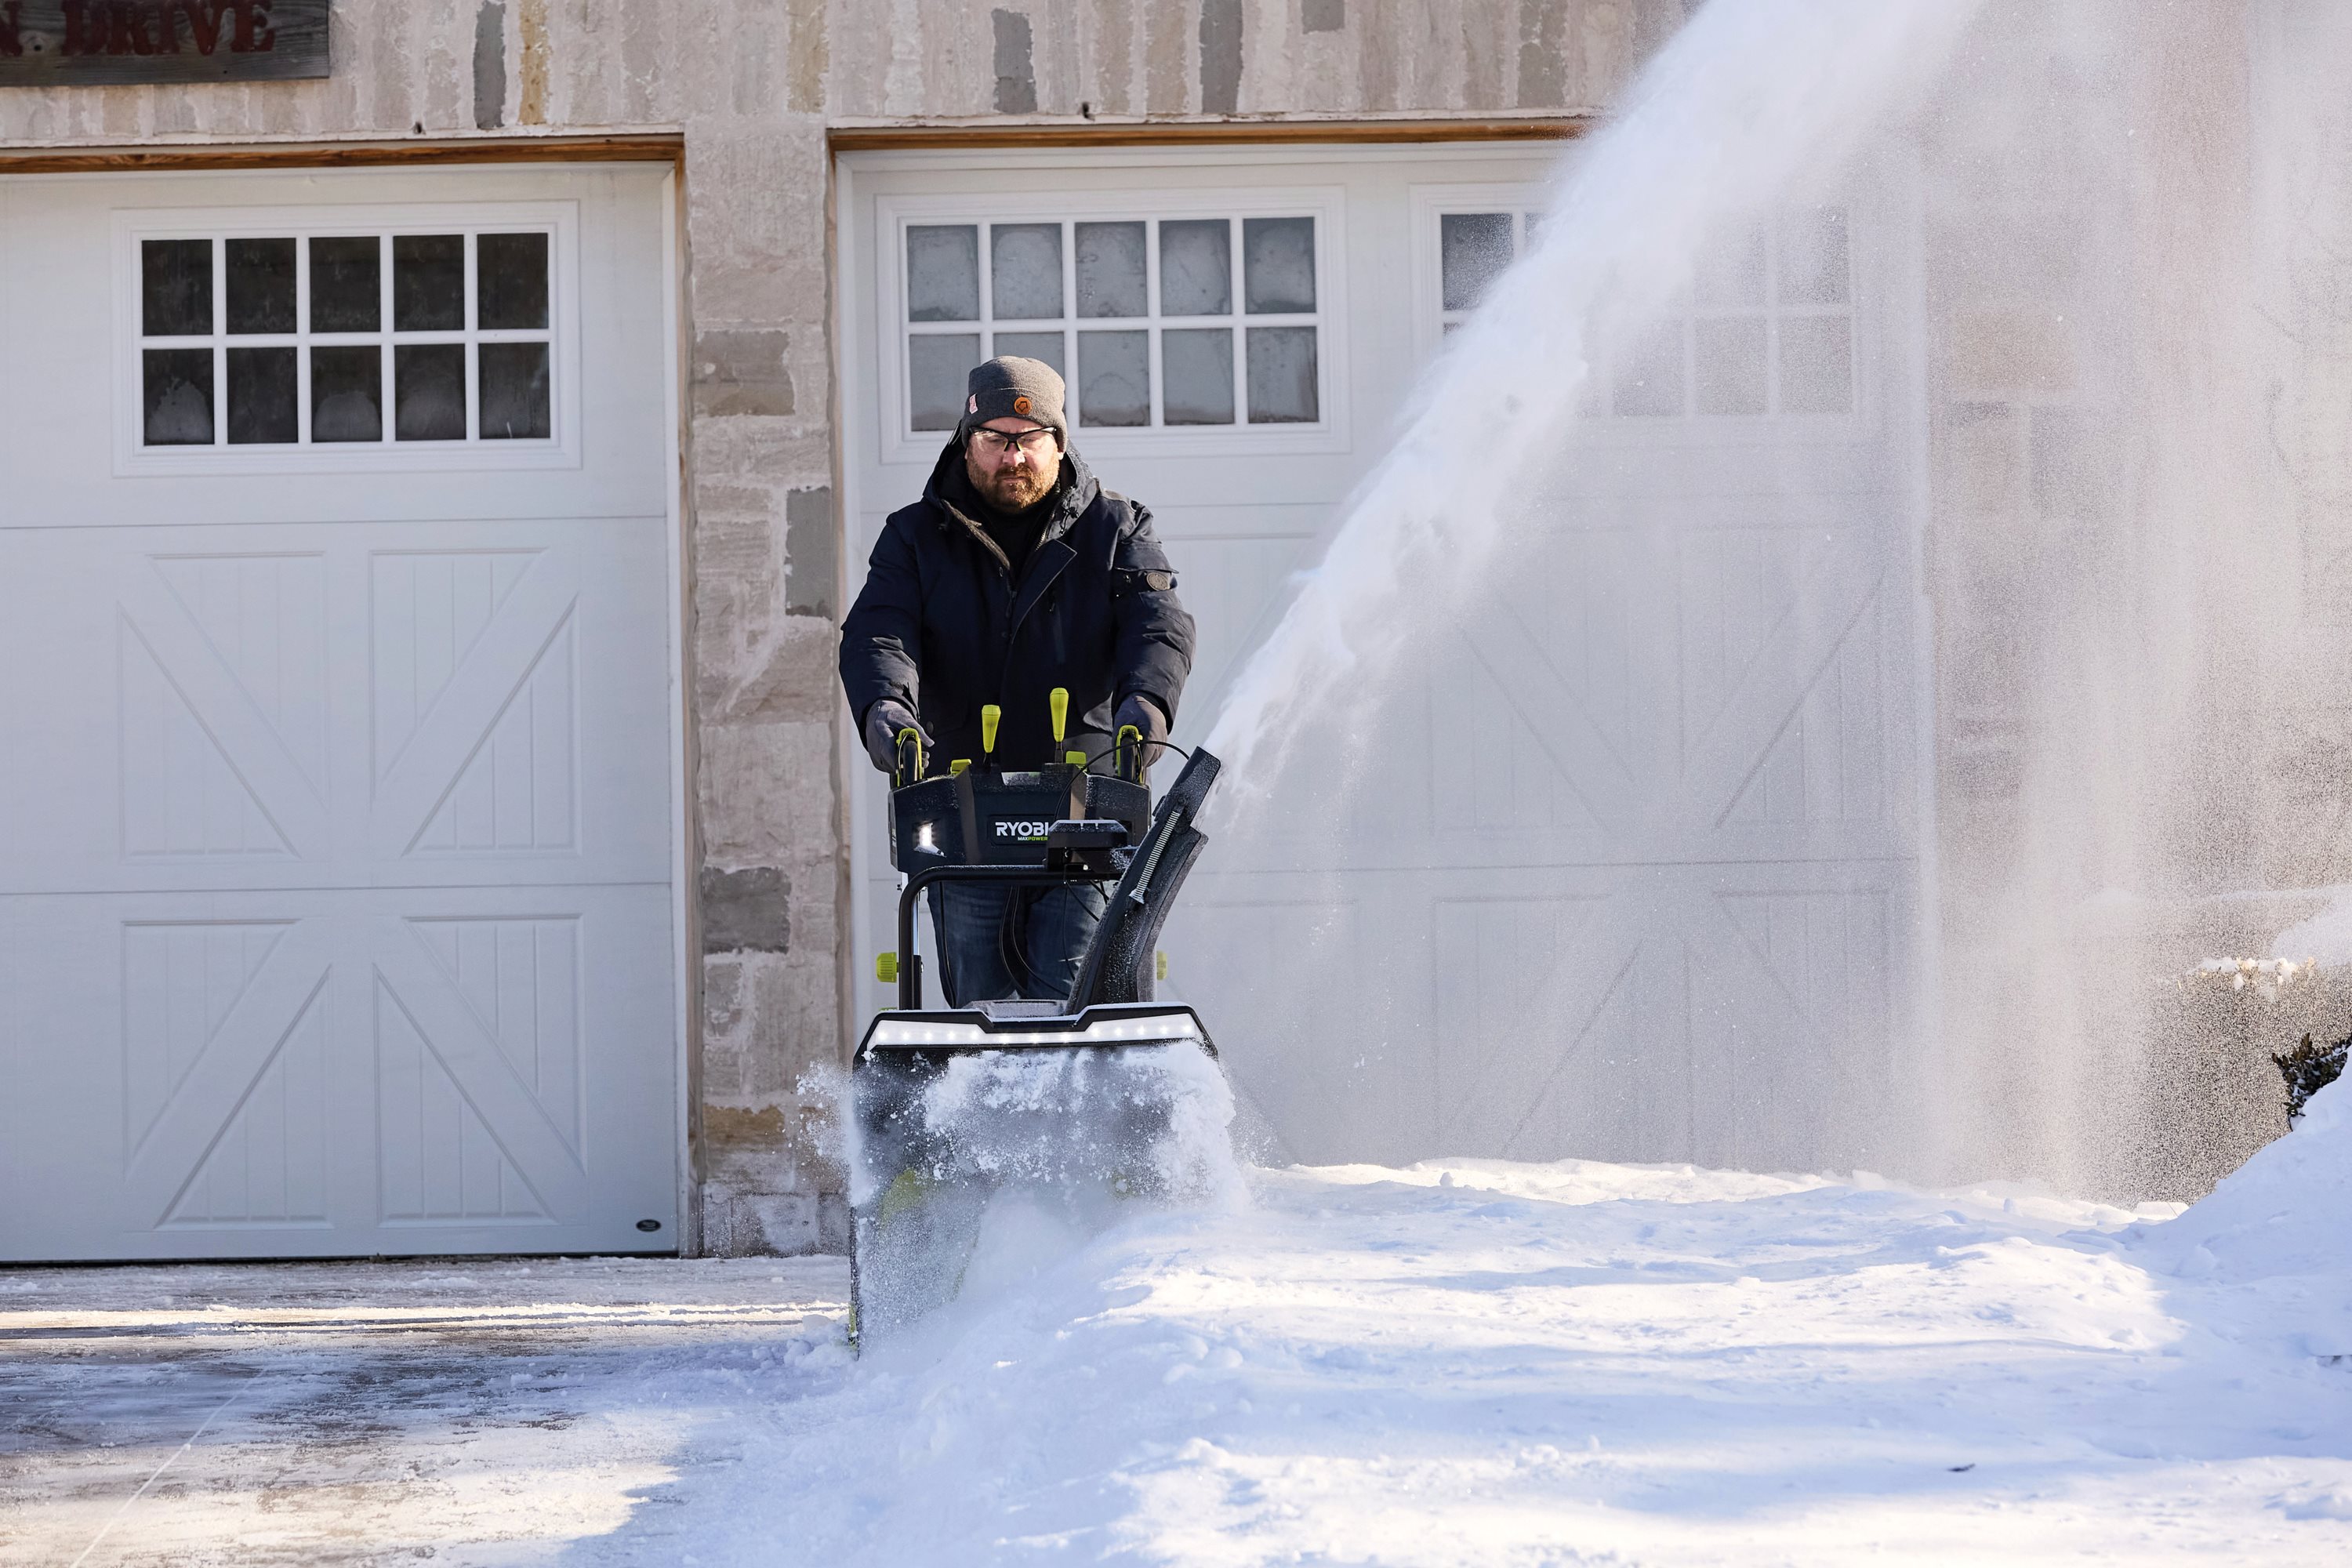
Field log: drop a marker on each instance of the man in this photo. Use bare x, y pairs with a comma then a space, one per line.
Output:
1016, 574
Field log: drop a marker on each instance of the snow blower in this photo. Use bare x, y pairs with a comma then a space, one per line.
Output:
1060, 1110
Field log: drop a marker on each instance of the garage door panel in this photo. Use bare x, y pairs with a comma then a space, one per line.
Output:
258, 1132
321, 719
464, 1136
206, 768
330, 1073
1232, 587
475, 704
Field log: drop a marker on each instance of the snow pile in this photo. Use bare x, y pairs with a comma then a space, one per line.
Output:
1481, 1363
2275, 1240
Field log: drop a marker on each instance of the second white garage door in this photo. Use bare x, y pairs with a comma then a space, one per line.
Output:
1638, 876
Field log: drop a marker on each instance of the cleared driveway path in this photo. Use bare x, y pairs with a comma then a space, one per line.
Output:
461, 1411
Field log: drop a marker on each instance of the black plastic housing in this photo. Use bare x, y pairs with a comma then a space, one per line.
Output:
984, 816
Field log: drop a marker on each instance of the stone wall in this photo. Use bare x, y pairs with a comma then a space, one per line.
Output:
754, 86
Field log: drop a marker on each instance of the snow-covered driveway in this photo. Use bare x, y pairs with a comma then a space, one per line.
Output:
1460, 1362
1481, 1364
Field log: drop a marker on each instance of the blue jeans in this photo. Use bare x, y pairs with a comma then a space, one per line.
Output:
987, 954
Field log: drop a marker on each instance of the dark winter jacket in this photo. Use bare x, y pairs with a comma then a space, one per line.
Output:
943, 626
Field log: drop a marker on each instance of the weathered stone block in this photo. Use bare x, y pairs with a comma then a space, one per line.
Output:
767, 793
812, 548
746, 911
742, 371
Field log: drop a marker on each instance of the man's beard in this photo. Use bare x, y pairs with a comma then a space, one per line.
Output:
1013, 489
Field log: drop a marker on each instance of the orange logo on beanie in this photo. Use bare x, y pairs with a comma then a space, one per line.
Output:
1021, 404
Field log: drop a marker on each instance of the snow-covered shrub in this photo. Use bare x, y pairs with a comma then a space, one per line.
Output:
2308, 1068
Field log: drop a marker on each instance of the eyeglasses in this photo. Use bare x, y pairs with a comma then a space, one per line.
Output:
1033, 443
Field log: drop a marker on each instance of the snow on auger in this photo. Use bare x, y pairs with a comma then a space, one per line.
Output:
1071, 1108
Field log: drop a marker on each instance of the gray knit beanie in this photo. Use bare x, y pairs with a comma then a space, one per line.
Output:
1012, 387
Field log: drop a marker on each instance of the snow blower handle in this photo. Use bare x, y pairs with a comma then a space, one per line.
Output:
1126, 753
909, 749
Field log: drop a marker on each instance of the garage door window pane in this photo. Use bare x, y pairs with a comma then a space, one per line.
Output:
1196, 268
175, 288
1111, 271
1024, 265
1278, 264
938, 366
517, 402
1730, 272
1813, 264
1114, 378
1473, 250
260, 287
1282, 381
1649, 380
1196, 369
179, 397
943, 272
510, 282
263, 397
346, 286
428, 390
1046, 346
1816, 364
1730, 364
428, 282
347, 394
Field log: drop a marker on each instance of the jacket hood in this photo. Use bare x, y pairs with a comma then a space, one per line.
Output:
1073, 493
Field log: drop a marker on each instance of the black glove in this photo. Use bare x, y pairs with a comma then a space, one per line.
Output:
1143, 713
884, 721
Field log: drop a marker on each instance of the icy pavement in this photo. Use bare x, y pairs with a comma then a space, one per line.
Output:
481, 1411
1461, 1363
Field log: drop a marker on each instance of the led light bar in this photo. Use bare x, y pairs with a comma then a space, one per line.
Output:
1174, 1026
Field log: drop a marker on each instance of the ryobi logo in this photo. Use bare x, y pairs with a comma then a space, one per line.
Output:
1026, 832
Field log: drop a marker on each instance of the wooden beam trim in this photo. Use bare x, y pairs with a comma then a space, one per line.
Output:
628, 148
1199, 134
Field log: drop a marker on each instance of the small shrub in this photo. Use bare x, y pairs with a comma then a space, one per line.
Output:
2308, 1068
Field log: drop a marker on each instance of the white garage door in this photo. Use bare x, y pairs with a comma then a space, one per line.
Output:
336, 730
1661, 784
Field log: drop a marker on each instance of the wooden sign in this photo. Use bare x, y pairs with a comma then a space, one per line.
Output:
93, 43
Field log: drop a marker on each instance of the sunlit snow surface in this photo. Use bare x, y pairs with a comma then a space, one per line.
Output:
1484, 1363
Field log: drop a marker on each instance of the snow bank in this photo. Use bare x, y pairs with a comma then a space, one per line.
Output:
2275, 1240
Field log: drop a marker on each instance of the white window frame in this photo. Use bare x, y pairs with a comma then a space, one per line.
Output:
1431, 204
1325, 205
559, 220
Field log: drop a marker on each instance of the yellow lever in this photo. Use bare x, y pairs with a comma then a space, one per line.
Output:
886, 968
990, 715
1059, 700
